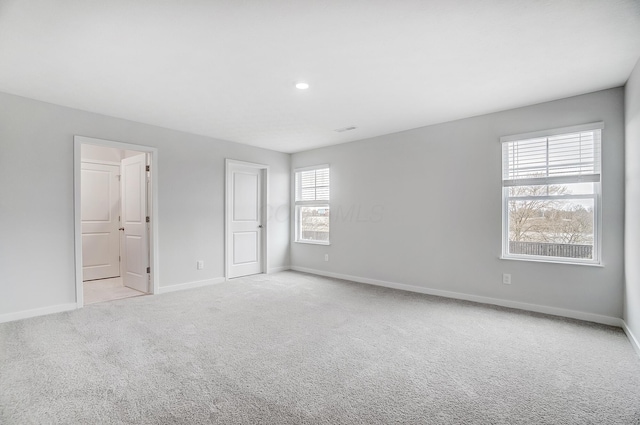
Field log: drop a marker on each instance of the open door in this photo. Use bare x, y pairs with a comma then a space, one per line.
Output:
245, 221
135, 228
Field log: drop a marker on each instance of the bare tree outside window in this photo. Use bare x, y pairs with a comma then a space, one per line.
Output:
538, 223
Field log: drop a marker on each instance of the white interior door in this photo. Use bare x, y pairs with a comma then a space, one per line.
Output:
100, 208
135, 240
244, 222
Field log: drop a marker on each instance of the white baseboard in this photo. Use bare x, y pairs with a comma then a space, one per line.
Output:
278, 269
191, 285
26, 314
580, 315
635, 342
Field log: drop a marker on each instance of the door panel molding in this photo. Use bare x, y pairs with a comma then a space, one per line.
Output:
250, 186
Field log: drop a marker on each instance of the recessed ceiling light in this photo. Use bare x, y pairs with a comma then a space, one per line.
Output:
302, 86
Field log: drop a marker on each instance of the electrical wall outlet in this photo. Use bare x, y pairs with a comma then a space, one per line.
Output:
506, 278
326, 257
200, 265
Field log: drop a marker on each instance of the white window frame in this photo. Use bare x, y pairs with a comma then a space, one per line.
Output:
596, 196
316, 203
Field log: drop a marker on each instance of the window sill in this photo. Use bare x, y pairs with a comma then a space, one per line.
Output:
314, 242
552, 260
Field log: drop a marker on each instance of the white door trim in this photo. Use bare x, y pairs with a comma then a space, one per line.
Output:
78, 141
227, 215
99, 161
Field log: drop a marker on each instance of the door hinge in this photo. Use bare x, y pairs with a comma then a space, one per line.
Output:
119, 258
148, 269
148, 219
148, 168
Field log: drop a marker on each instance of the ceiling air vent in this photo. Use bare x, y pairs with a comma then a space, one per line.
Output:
342, 130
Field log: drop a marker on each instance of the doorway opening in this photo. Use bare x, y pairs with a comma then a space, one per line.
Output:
114, 226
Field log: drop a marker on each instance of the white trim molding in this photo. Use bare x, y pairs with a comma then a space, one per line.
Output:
278, 269
311, 167
98, 161
572, 314
26, 314
191, 285
635, 342
599, 125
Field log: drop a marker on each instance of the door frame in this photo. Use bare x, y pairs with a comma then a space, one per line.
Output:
154, 264
227, 216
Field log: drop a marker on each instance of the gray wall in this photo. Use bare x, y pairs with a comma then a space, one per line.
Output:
36, 200
423, 208
632, 203
100, 153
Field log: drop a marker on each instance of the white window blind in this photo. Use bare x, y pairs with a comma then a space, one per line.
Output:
556, 159
312, 185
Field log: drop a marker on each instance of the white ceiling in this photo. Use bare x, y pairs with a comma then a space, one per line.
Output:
227, 68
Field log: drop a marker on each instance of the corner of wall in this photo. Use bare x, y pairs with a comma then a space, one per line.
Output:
631, 278
635, 342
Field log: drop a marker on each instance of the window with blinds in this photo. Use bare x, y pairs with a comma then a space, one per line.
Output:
312, 204
551, 195
312, 185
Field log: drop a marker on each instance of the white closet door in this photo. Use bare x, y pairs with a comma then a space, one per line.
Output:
100, 208
135, 244
245, 222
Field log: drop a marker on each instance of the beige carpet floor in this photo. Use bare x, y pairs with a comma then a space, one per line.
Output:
292, 348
